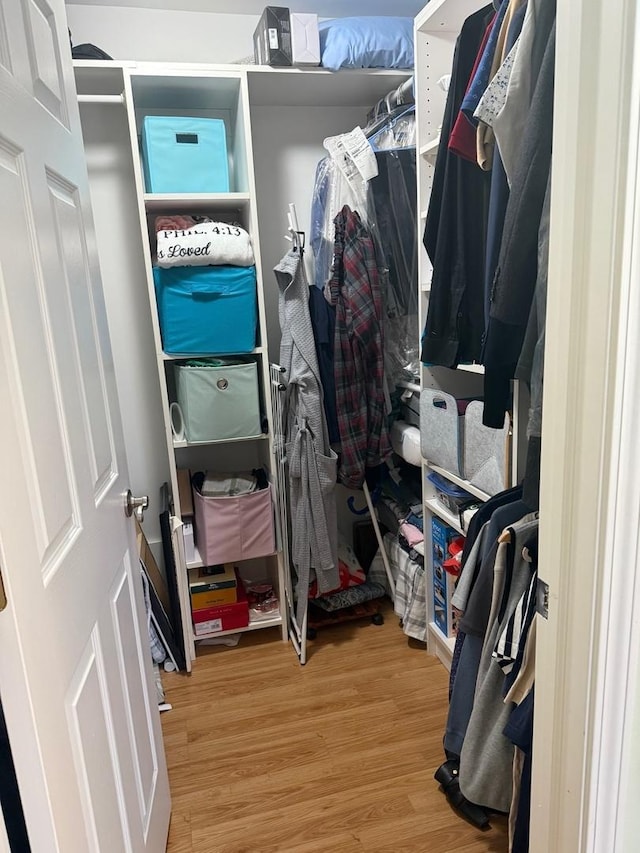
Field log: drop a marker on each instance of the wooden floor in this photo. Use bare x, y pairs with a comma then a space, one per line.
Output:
338, 756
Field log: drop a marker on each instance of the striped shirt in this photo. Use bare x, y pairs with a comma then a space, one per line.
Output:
513, 635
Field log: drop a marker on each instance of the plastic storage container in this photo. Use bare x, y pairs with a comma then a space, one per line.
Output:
450, 496
234, 528
207, 310
218, 400
184, 155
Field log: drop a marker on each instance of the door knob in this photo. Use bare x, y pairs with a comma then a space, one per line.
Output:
136, 506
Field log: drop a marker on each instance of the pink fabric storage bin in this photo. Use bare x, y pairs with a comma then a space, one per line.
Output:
234, 528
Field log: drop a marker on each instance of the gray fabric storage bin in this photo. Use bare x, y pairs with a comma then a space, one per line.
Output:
219, 399
461, 444
440, 440
484, 450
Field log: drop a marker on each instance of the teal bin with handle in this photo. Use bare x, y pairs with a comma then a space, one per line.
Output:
218, 399
185, 155
207, 310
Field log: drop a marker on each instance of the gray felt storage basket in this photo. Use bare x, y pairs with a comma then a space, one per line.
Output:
440, 430
484, 450
460, 443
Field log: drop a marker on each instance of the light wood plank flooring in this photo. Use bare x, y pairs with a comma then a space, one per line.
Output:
266, 756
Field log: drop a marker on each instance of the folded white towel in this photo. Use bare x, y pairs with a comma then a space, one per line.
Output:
206, 244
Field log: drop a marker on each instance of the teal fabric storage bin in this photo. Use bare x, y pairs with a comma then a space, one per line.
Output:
218, 400
207, 310
185, 155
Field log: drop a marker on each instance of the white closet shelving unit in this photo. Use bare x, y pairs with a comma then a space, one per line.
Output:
208, 94
436, 30
230, 93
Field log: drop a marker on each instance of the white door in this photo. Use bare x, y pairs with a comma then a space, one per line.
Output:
75, 671
585, 781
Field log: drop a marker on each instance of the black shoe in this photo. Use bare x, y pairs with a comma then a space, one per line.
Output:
447, 776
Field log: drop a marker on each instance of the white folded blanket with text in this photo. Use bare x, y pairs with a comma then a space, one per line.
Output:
206, 244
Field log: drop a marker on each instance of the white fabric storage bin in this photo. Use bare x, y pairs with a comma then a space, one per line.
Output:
218, 399
184, 154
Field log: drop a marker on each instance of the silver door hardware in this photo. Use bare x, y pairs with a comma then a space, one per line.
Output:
542, 599
136, 506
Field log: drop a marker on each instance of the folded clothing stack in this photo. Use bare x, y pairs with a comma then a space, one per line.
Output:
400, 497
216, 485
183, 241
222, 485
409, 602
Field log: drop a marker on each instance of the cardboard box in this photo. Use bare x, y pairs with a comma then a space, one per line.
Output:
184, 492
305, 39
443, 582
226, 617
155, 575
212, 590
272, 37
443, 589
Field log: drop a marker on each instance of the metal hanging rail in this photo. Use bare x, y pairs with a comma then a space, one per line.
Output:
297, 632
113, 100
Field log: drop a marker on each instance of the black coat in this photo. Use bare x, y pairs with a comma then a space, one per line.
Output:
455, 233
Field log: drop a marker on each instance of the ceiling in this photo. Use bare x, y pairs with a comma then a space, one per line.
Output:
324, 8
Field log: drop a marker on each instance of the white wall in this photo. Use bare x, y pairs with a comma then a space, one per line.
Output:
287, 146
161, 35
114, 203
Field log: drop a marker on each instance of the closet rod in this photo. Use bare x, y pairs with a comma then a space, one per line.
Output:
410, 386
102, 99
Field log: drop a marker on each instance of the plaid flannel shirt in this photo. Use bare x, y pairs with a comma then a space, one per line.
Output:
355, 291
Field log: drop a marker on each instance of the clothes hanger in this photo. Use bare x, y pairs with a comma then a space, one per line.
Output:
372, 133
294, 234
